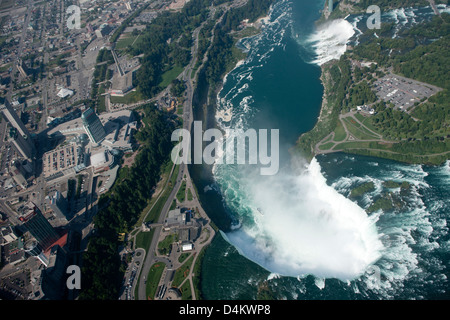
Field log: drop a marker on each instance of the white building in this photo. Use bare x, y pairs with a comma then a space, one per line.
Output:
187, 247
63, 93
102, 161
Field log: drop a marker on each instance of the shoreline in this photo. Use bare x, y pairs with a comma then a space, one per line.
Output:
204, 175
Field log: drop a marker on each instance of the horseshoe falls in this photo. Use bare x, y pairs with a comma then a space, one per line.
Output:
299, 233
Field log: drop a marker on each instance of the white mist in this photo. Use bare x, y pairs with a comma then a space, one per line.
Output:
302, 226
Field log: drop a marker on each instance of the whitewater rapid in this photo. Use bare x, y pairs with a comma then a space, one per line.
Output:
330, 41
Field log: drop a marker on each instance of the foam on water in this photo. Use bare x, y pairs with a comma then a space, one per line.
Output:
306, 227
409, 234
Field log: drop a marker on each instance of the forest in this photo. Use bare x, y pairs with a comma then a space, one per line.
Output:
428, 61
166, 43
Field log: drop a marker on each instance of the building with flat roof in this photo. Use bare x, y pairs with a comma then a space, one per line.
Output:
66, 159
102, 161
63, 93
13, 118
121, 84
58, 204
7, 234
187, 247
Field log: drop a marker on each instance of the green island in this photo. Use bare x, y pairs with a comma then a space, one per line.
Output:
355, 119
391, 198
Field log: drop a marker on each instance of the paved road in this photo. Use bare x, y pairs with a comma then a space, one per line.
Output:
187, 124
188, 119
150, 258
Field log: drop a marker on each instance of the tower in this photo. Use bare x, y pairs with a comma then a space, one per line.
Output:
41, 229
18, 133
93, 126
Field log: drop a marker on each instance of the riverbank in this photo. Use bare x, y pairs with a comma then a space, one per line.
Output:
208, 86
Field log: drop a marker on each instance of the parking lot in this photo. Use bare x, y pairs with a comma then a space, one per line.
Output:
403, 92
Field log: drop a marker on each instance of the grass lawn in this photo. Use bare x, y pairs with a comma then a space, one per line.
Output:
339, 132
170, 75
164, 246
360, 117
173, 205
125, 41
130, 98
186, 293
101, 99
181, 194
327, 146
363, 145
357, 131
182, 272
183, 256
143, 239
153, 278
367, 121
189, 195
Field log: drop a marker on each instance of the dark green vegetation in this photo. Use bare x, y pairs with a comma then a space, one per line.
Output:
165, 44
181, 194
178, 88
420, 135
337, 79
389, 200
415, 55
120, 208
362, 189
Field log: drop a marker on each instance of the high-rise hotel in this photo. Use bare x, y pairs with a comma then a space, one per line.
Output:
93, 126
